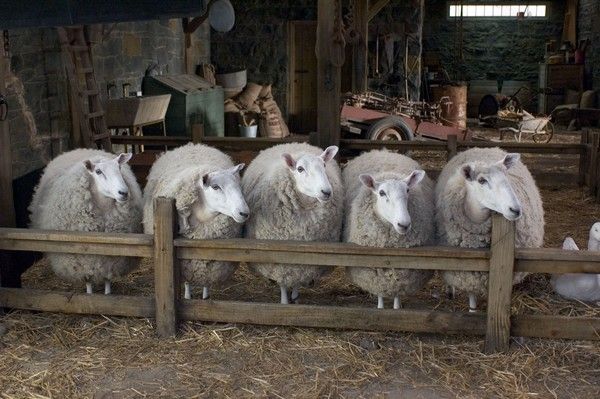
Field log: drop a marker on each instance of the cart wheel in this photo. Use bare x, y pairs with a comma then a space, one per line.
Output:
390, 128
546, 136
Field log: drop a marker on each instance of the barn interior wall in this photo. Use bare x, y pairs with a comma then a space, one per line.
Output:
38, 89
492, 49
588, 27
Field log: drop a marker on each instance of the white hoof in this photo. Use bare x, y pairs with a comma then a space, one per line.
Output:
472, 303
187, 291
284, 295
379, 302
205, 294
107, 288
88, 288
397, 303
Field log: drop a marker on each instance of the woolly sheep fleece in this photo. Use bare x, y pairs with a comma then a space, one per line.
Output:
364, 227
455, 229
279, 212
176, 174
63, 201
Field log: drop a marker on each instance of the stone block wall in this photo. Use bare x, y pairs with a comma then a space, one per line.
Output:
37, 84
588, 28
506, 49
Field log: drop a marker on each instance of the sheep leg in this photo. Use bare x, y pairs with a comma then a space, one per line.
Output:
284, 295
88, 288
450, 292
295, 294
205, 294
107, 287
379, 302
472, 303
397, 303
188, 292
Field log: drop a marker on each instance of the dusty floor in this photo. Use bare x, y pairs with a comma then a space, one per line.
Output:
51, 355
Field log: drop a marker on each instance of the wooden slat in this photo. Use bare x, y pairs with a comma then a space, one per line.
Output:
583, 158
69, 302
556, 327
452, 146
551, 260
165, 279
376, 7
333, 317
360, 53
500, 284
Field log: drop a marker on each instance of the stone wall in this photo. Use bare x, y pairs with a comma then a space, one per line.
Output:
37, 84
588, 28
506, 49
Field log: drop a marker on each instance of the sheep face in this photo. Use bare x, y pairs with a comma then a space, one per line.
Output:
391, 203
223, 194
309, 173
108, 178
489, 187
595, 232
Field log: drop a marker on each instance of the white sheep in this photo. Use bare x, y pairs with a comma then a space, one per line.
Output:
88, 190
471, 186
389, 203
580, 286
206, 187
295, 193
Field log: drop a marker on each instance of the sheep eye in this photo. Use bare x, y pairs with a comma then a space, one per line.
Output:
482, 180
215, 187
300, 169
381, 193
98, 172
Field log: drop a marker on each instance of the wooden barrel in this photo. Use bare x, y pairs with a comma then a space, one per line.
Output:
477, 90
456, 114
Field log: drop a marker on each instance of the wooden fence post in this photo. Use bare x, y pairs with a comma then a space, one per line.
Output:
593, 163
197, 133
583, 157
500, 284
166, 272
451, 146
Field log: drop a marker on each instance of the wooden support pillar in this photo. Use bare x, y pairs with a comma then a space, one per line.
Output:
7, 208
583, 158
500, 284
329, 53
360, 51
166, 271
451, 146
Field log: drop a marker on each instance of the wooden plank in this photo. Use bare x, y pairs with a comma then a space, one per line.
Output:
376, 7
583, 158
556, 327
594, 155
197, 133
166, 282
500, 284
360, 53
328, 73
334, 317
69, 302
451, 145
553, 260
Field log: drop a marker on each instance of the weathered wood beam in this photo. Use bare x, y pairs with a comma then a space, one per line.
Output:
376, 7
360, 51
329, 51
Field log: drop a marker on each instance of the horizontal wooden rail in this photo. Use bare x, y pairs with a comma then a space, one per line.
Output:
171, 141
554, 148
556, 327
551, 260
334, 317
77, 242
69, 302
333, 254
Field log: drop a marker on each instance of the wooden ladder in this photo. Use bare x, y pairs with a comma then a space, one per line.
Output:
80, 70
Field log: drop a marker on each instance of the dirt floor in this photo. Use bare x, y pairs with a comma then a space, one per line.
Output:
59, 356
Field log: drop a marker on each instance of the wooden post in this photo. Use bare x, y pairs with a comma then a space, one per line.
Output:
166, 272
593, 163
360, 51
197, 133
500, 284
329, 51
451, 146
583, 157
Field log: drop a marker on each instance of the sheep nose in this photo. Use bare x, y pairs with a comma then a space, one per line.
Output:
515, 211
123, 194
326, 193
404, 227
244, 214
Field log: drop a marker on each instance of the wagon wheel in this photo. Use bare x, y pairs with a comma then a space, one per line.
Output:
390, 128
546, 135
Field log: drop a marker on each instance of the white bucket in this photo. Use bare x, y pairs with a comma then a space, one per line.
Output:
248, 131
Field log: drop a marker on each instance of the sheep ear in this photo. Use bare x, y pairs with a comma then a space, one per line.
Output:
237, 168
329, 153
468, 172
569, 244
510, 160
123, 158
289, 160
88, 165
206, 180
368, 181
415, 178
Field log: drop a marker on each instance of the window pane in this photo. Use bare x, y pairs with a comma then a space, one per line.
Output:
489, 11
479, 11
452, 11
513, 11
541, 11
495, 10
506, 11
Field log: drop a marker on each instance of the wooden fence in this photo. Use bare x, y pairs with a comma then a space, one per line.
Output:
167, 305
